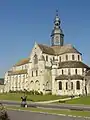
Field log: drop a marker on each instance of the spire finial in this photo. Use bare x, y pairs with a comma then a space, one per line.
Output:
56, 12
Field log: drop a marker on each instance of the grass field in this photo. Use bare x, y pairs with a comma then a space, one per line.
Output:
66, 112
82, 100
34, 98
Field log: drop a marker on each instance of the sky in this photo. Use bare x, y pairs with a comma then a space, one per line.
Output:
22, 22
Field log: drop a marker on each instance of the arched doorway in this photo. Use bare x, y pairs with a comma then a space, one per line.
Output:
31, 85
37, 85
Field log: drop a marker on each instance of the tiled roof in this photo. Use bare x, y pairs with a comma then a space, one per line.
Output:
66, 77
17, 72
58, 50
1, 81
22, 62
73, 64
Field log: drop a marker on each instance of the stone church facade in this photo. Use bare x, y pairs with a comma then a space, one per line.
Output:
57, 68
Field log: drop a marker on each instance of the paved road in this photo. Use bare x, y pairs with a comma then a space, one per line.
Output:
22, 115
55, 106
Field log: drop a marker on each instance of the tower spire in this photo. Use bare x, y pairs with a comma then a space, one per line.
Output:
57, 33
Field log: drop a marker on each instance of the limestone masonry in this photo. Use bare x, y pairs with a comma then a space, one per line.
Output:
56, 69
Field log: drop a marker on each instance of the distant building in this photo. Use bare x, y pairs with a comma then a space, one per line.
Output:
57, 68
1, 85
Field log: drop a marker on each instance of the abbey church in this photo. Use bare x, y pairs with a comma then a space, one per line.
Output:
56, 69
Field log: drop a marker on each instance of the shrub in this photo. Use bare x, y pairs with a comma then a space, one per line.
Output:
41, 93
36, 92
49, 93
31, 92
3, 113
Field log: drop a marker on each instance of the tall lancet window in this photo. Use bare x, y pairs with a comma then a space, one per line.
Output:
35, 59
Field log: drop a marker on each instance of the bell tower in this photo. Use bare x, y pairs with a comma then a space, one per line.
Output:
57, 36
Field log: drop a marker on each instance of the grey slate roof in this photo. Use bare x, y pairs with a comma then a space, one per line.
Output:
51, 50
46, 49
58, 50
73, 64
1, 81
88, 73
66, 77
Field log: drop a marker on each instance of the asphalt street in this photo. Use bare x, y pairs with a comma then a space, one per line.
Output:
22, 115
55, 106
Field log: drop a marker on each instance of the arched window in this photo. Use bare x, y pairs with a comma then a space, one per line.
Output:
73, 57
76, 71
69, 72
66, 85
60, 85
37, 85
71, 85
47, 86
35, 59
46, 58
78, 57
62, 72
66, 57
78, 85
59, 59
32, 73
83, 71
31, 85
53, 58
36, 73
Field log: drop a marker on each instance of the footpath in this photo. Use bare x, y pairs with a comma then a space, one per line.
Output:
54, 101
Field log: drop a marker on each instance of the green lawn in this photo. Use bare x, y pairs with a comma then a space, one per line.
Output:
66, 112
82, 100
34, 98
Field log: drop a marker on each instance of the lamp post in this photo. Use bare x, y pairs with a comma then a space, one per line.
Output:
69, 82
85, 82
69, 85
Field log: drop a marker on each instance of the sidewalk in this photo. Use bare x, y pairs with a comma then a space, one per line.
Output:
53, 101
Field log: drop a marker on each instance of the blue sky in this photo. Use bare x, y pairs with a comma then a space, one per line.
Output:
22, 22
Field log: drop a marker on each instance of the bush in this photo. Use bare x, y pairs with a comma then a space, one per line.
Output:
31, 92
3, 113
49, 93
41, 93
36, 92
